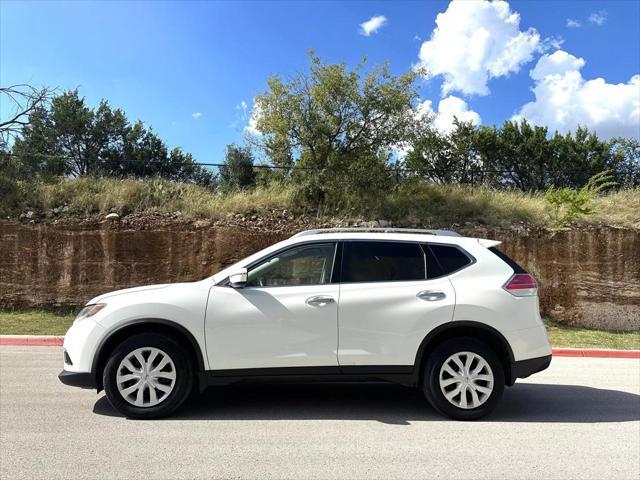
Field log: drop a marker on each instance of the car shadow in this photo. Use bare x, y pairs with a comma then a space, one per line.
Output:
396, 405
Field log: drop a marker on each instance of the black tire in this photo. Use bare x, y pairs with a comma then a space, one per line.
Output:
183, 376
431, 379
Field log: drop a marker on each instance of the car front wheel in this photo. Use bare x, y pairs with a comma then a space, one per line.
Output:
463, 379
148, 376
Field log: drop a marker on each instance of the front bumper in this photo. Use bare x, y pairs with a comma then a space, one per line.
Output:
81, 344
525, 368
75, 379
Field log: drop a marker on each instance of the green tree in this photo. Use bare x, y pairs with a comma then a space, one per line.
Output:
446, 157
626, 154
529, 158
517, 155
323, 120
70, 138
36, 152
237, 172
580, 157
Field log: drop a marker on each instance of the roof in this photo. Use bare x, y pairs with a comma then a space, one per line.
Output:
410, 231
366, 233
337, 234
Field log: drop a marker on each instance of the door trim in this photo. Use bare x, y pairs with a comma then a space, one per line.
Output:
402, 374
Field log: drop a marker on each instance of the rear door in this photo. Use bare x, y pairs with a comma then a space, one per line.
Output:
388, 303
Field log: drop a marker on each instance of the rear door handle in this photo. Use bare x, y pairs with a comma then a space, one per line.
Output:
431, 295
320, 301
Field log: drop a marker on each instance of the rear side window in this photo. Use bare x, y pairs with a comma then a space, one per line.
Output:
509, 261
434, 270
382, 262
451, 259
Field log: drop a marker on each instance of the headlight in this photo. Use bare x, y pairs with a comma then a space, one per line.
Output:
89, 311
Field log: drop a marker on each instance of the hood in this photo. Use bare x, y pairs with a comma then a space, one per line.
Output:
125, 291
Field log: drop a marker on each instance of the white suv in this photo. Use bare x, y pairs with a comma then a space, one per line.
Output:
451, 315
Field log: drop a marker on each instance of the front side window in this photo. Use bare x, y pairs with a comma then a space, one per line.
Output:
303, 265
382, 262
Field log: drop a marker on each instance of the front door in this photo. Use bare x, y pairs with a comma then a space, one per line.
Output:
285, 316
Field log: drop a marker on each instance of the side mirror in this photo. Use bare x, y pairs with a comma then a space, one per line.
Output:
238, 278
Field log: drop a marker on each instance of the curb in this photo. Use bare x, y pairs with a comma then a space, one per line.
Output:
574, 352
32, 340
52, 341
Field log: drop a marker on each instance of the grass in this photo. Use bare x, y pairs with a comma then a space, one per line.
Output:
34, 322
40, 322
572, 337
412, 203
620, 208
428, 204
85, 196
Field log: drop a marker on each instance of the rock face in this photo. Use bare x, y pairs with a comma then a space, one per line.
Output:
588, 277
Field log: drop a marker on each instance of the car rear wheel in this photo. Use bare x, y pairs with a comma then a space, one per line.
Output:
148, 376
463, 379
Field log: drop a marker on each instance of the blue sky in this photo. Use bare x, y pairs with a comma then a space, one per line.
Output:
163, 62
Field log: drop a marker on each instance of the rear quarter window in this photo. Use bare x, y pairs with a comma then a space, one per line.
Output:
509, 261
450, 258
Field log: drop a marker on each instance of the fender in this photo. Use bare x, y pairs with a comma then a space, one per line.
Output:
151, 322
420, 358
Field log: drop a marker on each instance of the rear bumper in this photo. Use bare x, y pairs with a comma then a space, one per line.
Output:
74, 379
524, 368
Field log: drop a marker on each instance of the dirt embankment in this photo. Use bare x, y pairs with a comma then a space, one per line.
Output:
588, 277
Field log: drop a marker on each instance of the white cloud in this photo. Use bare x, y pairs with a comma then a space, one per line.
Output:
196, 115
551, 43
571, 23
565, 100
557, 63
598, 18
241, 115
451, 107
372, 25
448, 109
474, 42
252, 125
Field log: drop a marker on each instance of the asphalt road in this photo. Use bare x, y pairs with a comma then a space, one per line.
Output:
579, 419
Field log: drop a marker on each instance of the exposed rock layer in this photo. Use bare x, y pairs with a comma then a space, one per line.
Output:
588, 277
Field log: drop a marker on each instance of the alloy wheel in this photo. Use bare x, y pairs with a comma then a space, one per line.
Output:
146, 377
466, 380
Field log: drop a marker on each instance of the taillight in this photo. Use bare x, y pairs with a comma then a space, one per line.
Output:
522, 285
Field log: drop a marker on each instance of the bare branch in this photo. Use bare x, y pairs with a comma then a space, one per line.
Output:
25, 99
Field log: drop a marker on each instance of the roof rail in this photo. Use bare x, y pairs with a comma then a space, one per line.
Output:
421, 231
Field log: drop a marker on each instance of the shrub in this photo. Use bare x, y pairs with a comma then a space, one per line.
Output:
10, 195
569, 204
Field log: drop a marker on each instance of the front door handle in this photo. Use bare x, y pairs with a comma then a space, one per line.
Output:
431, 295
320, 301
